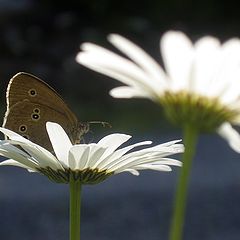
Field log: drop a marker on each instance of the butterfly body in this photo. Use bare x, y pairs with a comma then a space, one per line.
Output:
31, 103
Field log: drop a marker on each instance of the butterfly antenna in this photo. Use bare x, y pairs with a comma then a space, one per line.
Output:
86, 129
104, 124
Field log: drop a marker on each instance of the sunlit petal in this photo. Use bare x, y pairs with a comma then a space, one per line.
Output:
139, 56
89, 163
231, 135
177, 53
107, 162
11, 162
60, 141
129, 92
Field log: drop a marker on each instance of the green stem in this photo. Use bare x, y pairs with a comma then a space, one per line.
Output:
75, 209
190, 141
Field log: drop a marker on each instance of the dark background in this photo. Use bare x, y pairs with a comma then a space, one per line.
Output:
43, 38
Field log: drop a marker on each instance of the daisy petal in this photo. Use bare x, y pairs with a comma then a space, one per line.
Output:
122, 70
60, 141
230, 71
206, 65
148, 155
177, 53
42, 156
132, 171
95, 154
129, 92
157, 167
115, 157
11, 162
32, 148
14, 136
78, 156
139, 56
9, 151
231, 135
112, 142
101, 59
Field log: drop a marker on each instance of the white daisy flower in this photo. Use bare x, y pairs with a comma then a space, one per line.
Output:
199, 86
87, 163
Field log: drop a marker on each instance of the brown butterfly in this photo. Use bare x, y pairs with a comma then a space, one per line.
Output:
31, 103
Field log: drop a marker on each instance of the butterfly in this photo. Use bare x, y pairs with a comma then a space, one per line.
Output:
31, 103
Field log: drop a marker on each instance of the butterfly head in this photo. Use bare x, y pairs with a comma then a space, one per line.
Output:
82, 128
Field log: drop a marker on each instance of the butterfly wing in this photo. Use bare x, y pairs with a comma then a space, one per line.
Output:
31, 103
29, 120
26, 86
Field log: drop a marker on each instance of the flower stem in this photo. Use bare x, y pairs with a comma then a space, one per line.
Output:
75, 209
190, 141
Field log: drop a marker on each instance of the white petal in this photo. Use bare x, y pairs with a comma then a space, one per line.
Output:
206, 66
168, 161
123, 70
129, 92
112, 142
230, 71
160, 151
166, 150
14, 136
177, 53
78, 156
156, 167
9, 151
89, 156
41, 156
147, 155
92, 155
96, 153
115, 157
60, 141
231, 135
11, 146
132, 171
11, 162
171, 143
96, 56
139, 56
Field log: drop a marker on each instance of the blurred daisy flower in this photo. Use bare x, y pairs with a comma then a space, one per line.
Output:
199, 90
87, 163
200, 85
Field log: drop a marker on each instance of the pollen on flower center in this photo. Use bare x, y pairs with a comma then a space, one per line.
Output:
85, 176
205, 114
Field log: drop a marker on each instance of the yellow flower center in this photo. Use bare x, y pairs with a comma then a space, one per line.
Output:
86, 176
203, 113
